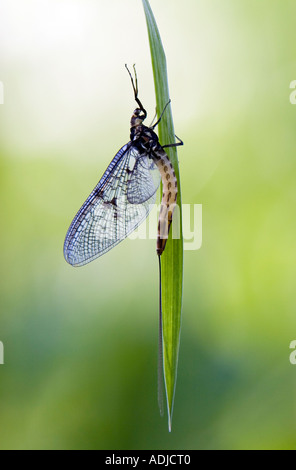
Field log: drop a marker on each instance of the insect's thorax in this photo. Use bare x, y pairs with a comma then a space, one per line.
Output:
146, 141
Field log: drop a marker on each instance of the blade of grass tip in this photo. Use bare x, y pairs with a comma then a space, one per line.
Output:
172, 257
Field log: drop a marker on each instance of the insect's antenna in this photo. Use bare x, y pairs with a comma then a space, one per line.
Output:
136, 78
157, 122
135, 88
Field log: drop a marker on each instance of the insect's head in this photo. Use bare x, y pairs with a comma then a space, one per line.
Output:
138, 117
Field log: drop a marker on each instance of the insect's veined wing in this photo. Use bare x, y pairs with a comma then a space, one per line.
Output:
119, 203
144, 180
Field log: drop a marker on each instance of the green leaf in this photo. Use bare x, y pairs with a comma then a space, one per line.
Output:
172, 257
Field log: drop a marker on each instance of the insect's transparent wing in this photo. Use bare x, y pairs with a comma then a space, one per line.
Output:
144, 180
107, 216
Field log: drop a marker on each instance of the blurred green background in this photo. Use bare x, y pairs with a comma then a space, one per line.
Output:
81, 344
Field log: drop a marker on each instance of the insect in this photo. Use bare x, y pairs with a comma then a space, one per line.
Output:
125, 195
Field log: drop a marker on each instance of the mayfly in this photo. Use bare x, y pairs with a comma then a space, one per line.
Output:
125, 195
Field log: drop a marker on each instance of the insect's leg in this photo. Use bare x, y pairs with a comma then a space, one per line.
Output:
176, 144
151, 125
135, 88
157, 122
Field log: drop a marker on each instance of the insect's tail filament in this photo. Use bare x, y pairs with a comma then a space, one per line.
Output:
160, 348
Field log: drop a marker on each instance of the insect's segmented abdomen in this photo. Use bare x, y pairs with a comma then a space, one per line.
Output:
169, 198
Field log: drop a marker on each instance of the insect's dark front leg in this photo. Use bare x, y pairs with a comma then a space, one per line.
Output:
160, 117
176, 144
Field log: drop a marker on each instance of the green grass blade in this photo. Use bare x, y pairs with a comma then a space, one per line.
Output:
172, 258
